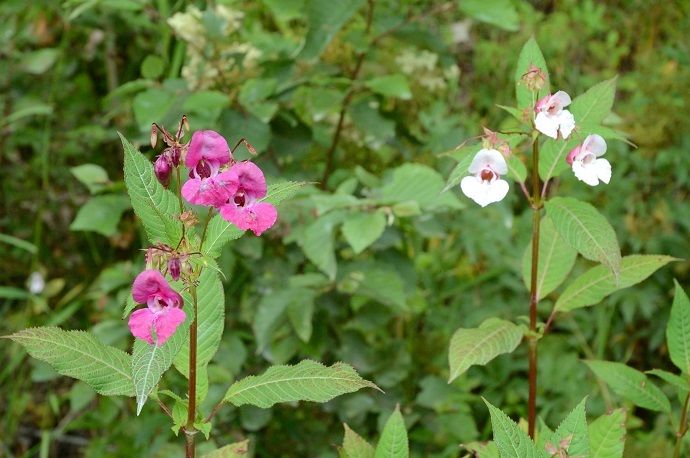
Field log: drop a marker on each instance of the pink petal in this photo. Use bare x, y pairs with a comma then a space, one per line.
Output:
211, 192
543, 103
190, 190
167, 322
573, 154
148, 283
257, 217
251, 179
140, 323
208, 145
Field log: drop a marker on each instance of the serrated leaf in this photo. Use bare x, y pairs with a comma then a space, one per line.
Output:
676, 381
470, 346
556, 259
393, 442
419, 183
362, 229
306, 381
573, 429
598, 282
586, 230
510, 440
156, 206
630, 384
354, 446
607, 435
101, 214
78, 354
324, 19
529, 55
236, 450
678, 330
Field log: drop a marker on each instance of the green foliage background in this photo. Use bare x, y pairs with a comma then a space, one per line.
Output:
370, 266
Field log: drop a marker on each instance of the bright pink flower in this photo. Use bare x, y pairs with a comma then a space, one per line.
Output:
163, 168
164, 308
208, 150
212, 191
244, 209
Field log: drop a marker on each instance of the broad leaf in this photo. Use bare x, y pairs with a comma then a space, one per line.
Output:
598, 282
607, 435
530, 55
501, 13
510, 440
363, 229
480, 345
631, 384
306, 381
78, 354
681, 383
156, 206
573, 430
391, 86
418, 183
586, 230
236, 450
556, 259
101, 214
393, 441
324, 19
318, 242
678, 330
354, 446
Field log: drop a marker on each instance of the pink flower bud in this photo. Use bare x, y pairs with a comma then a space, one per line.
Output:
174, 267
162, 167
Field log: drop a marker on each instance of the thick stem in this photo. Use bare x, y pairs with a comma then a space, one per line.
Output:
189, 449
191, 413
682, 427
534, 293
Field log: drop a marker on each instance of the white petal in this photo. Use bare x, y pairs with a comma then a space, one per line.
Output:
586, 173
482, 192
595, 144
562, 97
603, 168
488, 158
566, 123
546, 124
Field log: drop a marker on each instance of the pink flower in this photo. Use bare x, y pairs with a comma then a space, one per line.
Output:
208, 150
163, 168
552, 118
585, 163
212, 191
244, 209
485, 186
164, 308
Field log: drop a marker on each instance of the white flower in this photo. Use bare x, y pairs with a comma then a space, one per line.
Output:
586, 166
485, 186
551, 117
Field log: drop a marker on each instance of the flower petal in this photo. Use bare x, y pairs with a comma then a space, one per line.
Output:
251, 179
586, 173
258, 216
595, 144
148, 283
562, 98
167, 322
546, 124
484, 193
140, 323
488, 158
208, 145
566, 123
603, 169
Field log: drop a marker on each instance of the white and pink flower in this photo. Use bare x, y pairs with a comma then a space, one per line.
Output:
485, 185
586, 163
552, 118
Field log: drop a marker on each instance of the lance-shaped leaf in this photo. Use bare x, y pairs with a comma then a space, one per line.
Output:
306, 381
529, 56
325, 18
509, 438
149, 362
393, 442
156, 206
78, 354
556, 259
678, 382
607, 435
354, 446
586, 230
630, 384
573, 432
678, 330
470, 346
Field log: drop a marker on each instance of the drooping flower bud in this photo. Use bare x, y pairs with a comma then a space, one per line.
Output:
163, 168
174, 267
534, 78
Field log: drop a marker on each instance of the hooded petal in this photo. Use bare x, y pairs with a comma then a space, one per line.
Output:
207, 145
562, 98
490, 158
258, 217
586, 173
211, 192
573, 154
543, 103
167, 322
566, 122
595, 144
483, 192
140, 323
251, 179
546, 124
147, 284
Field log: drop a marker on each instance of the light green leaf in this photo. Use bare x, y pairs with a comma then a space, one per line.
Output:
574, 428
509, 438
93, 176
363, 229
236, 450
530, 55
607, 435
556, 259
101, 214
393, 442
324, 19
678, 330
156, 206
300, 313
681, 383
501, 13
482, 449
306, 381
464, 157
78, 354
631, 384
318, 242
391, 86
480, 345
586, 230
375, 281
39, 61
516, 168
354, 446
598, 282
419, 183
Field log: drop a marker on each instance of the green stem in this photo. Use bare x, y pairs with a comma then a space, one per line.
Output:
682, 427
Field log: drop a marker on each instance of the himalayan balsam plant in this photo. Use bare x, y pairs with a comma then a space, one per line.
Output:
192, 200
555, 135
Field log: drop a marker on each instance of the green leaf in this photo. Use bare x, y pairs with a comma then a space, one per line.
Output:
78, 354
152, 67
598, 282
325, 18
306, 381
149, 362
678, 330
235, 450
318, 243
631, 384
391, 86
586, 230
156, 206
363, 229
419, 183
501, 13
530, 55
375, 281
509, 438
607, 435
300, 313
573, 430
101, 214
393, 442
464, 157
39, 61
681, 383
556, 259
354, 446
516, 168
480, 345
93, 176
482, 449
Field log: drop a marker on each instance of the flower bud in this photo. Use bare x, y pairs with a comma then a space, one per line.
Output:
154, 135
534, 78
175, 152
174, 267
162, 167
